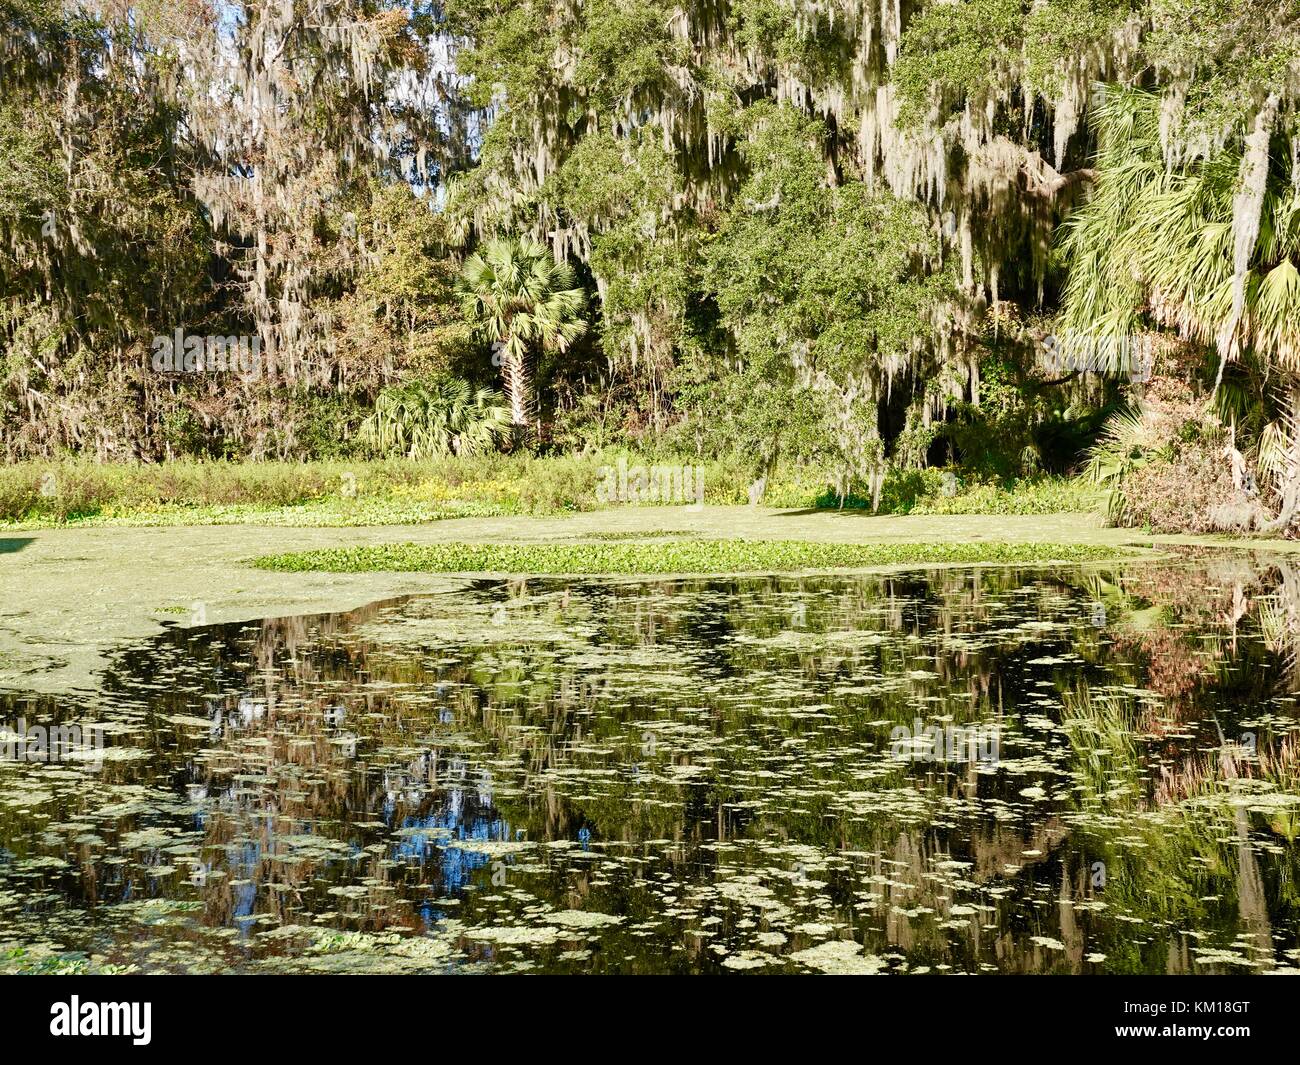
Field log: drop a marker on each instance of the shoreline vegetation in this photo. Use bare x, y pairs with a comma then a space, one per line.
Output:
831, 296
678, 557
400, 491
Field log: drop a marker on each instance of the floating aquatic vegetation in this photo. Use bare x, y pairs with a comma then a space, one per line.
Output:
672, 776
840, 957
687, 556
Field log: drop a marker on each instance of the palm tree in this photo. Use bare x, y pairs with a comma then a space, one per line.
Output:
517, 295
1208, 250
1165, 241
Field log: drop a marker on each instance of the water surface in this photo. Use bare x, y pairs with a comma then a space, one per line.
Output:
687, 776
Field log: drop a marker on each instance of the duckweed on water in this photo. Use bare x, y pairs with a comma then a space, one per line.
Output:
686, 556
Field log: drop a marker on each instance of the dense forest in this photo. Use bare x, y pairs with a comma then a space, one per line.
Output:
1008, 238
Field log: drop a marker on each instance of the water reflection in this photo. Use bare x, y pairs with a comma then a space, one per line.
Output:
687, 776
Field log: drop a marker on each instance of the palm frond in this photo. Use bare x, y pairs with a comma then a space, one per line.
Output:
424, 420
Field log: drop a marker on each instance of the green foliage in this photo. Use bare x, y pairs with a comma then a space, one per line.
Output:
519, 297
403, 316
1228, 54
361, 491
962, 51
561, 484
72, 490
1225, 55
1124, 446
644, 253
325, 425
95, 215
104, 244
699, 556
625, 48
1043, 495
1152, 237
1209, 250
434, 419
1057, 32
1020, 427
812, 43
935, 491
827, 291
838, 269
511, 44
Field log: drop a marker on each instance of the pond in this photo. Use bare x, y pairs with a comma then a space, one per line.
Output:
1068, 769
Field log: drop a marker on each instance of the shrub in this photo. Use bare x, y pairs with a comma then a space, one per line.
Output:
434, 419
1184, 493
559, 484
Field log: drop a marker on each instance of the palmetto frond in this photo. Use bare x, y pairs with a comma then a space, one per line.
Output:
426, 420
1277, 456
1159, 242
1126, 443
1209, 250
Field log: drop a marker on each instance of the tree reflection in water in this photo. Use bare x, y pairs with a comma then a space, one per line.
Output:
687, 776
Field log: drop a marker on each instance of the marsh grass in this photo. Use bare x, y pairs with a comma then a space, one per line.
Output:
400, 491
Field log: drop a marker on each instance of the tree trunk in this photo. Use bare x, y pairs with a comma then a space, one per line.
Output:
514, 379
1291, 483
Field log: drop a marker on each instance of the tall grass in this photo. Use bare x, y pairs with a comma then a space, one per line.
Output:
413, 490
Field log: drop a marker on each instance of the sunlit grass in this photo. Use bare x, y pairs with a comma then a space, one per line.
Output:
388, 492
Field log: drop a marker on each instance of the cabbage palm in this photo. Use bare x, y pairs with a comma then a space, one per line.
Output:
1208, 250
518, 295
1162, 242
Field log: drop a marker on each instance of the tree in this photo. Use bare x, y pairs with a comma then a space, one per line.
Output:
1207, 250
290, 116
517, 294
829, 293
198, 166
